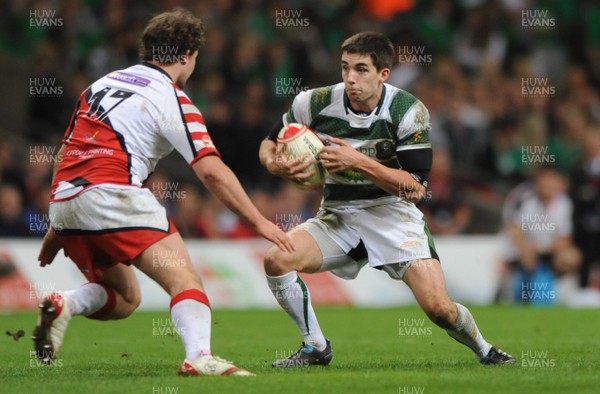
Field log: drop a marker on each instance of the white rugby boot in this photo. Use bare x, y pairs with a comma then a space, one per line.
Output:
51, 326
211, 365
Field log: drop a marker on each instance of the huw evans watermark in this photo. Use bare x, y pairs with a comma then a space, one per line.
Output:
537, 291
45, 87
167, 54
537, 359
414, 54
167, 191
537, 155
413, 327
289, 87
286, 354
537, 19
291, 19
538, 222
288, 221
537, 87
167, 259
45, 19
166, 327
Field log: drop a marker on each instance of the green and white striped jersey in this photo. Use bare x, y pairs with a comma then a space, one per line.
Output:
400, 122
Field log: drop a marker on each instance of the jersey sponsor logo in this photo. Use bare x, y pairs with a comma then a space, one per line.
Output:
129, 78
92, 138
86, 154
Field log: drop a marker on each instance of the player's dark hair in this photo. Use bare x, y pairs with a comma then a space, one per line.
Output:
373, 44
170, 35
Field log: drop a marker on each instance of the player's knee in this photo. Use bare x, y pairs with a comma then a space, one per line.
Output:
135, 302
277, 262
443, 314
131, 301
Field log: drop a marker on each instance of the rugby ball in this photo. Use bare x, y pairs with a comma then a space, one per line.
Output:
295, 141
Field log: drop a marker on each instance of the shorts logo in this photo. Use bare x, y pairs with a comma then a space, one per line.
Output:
410, 244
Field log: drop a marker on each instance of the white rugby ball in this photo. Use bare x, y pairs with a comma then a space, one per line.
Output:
296, 140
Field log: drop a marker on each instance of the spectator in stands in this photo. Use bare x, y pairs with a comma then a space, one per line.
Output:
464, 127
537, 221
47, 111
36, 213
479, 40
11, 212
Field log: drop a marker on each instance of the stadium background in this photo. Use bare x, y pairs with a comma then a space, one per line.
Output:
510, 84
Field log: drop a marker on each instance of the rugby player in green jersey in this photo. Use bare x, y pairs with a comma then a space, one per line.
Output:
378, 155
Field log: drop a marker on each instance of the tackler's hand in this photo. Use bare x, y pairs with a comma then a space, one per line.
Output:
51, 245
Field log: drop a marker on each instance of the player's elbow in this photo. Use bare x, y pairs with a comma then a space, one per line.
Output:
209, 169
266, 154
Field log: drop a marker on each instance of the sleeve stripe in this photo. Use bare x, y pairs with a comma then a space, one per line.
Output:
197, 127
193, 117
184, 100
189, 108
204, 152
185, 124
197, 136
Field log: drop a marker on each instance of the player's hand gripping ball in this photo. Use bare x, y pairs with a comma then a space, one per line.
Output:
297, 142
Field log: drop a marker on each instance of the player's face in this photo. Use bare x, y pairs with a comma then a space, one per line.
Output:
362, 80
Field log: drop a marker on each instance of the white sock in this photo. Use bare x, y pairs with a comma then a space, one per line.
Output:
191, 320
466, 332
293, 296
86, 299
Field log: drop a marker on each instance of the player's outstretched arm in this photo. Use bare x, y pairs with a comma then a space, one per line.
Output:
223, 184
344, 157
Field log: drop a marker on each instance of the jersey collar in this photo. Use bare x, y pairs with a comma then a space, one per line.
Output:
155, 67
379, 104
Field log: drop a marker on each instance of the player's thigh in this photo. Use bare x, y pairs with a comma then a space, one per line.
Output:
168, 263
121, 278
307, 256
426, 280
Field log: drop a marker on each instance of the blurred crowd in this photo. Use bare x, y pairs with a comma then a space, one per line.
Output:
512, 87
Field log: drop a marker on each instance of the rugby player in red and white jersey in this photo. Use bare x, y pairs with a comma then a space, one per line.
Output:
104, 218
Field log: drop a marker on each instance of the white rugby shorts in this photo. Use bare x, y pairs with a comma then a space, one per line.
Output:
394, 235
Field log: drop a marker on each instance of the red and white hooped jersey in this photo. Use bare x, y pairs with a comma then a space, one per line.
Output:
123, 124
